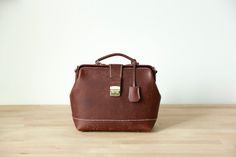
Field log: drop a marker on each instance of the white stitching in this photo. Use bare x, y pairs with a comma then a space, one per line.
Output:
97, 120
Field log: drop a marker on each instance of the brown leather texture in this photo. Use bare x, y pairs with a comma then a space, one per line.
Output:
135, 108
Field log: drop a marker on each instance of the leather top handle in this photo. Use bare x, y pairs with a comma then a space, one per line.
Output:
133, 61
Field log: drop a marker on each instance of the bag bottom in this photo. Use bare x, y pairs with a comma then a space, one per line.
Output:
134, 125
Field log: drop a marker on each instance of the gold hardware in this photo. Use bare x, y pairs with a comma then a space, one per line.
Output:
114, 90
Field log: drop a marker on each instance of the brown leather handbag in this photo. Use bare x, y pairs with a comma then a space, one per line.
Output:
115, 97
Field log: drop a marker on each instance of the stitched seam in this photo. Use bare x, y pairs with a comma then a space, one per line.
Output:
118, 120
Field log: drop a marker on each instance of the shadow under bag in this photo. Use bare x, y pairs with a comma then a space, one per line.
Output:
115, 97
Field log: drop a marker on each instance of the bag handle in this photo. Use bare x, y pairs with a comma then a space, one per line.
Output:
133, 61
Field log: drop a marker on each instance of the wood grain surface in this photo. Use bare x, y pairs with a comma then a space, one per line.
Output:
181, 131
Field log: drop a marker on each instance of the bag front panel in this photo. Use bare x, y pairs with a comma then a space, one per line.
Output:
94, 109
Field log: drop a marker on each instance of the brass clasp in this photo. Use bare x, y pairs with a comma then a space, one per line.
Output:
114, 90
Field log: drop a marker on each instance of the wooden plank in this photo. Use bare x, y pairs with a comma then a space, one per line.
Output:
181, 131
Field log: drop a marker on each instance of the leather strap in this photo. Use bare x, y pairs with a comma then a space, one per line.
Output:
115, 74
134, 91
133, 61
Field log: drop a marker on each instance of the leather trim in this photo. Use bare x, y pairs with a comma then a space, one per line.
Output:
106, 65
154, 71
119, 120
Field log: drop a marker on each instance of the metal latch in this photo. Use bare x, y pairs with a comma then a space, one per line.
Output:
114, 90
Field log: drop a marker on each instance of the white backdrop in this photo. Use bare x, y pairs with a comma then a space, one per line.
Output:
192, 44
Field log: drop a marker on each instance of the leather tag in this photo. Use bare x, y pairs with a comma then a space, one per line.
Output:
134, 95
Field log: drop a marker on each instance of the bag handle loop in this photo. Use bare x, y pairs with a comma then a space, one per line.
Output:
133, 61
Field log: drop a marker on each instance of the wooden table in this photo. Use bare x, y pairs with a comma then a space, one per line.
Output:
181, 131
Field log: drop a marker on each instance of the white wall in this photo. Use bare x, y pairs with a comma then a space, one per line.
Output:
191, 43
